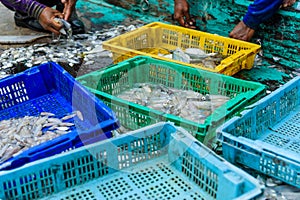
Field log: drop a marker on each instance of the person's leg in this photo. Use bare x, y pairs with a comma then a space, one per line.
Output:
258, 12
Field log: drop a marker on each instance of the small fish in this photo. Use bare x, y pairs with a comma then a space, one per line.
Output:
68, 117
61, 132
49, 124
79, 115
37, 129
62, 128
47, 114
50, 133
3, 150
187, 104
68, 124
54, 120
53, 127
41, 120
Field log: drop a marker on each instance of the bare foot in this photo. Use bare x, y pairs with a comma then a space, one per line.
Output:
242, 32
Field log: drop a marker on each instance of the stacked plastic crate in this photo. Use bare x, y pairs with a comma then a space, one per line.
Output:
266, 135
159, 161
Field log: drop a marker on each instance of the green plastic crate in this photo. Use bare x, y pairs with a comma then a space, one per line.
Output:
108, 83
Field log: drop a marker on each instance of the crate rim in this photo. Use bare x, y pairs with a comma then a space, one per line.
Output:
257, 103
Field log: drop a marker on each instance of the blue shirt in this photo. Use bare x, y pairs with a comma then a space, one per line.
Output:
259, 11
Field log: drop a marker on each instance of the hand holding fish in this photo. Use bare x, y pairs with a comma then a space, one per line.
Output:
46, 19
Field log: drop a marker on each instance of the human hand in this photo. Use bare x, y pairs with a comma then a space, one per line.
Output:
242, 32
182, 15
287, 3
69, 6
46, 19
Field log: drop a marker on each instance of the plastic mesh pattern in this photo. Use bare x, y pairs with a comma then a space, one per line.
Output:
291, 127
84, 169
49, 103
294, 146
277, 167
13, 94
276, 140
155, 181
286, 134
144, 177
139, 150
200, 174
115, 188
30, 185
80, 195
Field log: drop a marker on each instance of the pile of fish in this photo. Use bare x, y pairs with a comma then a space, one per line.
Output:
76, 51
187, 104
275, 189
195, 56
19, 134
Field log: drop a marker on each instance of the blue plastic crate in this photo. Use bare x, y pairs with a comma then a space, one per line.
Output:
49, 88
266, 137
160, 161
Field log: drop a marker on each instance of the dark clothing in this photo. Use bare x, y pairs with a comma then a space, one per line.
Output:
32, 8
259, 11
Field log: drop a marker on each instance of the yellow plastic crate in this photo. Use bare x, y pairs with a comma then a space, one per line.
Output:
157, 37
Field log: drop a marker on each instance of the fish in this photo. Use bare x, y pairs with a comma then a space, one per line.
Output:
47, 114
28, 131
79, 115
69, 116
67, 49
187, 104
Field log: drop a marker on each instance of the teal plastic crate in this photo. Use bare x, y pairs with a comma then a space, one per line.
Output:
160, 161
108, 83
266, 137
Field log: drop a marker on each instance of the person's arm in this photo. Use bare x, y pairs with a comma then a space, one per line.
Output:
260, 11
69, 6
41, 12
30, 7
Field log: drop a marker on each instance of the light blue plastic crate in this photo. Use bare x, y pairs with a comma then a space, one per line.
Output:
160, 161
266, 137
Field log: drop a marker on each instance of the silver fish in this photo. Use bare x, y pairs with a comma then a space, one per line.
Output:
28, 131
187, 104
